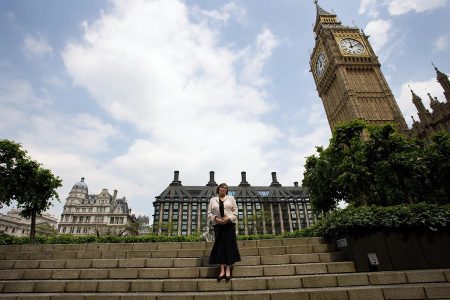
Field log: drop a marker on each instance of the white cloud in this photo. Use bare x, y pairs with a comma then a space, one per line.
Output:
441, 42
36, 46
228, 11
68, 144
380, 33
399, 7
421, 88
198, 104
55, 81
255, 59
371, 7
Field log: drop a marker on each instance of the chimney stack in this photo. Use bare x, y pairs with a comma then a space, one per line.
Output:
176, 180
244, 179
274, 180
211, 182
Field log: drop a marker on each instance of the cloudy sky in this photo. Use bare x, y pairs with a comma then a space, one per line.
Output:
125, 92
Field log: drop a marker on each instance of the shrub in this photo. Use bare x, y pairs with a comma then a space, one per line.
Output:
368, 219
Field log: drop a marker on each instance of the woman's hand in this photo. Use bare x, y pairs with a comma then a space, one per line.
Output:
220, 220
226, 219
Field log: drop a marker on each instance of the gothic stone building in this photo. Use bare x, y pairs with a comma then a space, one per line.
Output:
181, 210
348, 76
350, 83
439, 117
102, 214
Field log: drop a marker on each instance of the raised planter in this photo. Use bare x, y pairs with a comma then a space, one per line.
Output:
397, 251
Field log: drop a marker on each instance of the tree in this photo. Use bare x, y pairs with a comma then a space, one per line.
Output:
25, 181
437, 156
373, 164
10, 155
46, 229
262, 222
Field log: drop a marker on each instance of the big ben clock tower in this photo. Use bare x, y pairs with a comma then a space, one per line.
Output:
348, 76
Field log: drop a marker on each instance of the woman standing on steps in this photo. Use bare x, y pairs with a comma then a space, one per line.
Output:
222, 211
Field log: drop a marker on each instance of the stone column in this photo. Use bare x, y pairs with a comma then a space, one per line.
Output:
281, 218
170, 216
161, 208
199, 216
289, 215
272, 217
305, 211
263, 214
244, 206
299, 221
180, 215
189, 220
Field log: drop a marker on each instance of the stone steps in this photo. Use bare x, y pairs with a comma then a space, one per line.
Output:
180, 253
236, 284
379, 292
307, 268
180, 272
158, 246
167, 262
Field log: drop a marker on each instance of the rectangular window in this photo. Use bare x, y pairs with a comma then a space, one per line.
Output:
78, 229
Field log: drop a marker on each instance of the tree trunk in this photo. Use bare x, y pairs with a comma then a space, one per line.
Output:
33, 228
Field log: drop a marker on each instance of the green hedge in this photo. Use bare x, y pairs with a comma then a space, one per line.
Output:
72, 239
419, 217
351, 220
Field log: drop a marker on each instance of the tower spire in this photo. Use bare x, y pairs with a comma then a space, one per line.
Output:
434, 103
444, 81
324, 18
421, 110
320, 10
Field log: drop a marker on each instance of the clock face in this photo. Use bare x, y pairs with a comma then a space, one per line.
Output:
351, 46
321, 63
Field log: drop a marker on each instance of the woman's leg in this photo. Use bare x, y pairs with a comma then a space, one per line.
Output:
228, 271
222, 270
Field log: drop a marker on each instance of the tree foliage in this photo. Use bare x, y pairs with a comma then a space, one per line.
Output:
25, 181
373, 164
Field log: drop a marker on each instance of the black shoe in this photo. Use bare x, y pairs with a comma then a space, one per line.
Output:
227, 278
220, 277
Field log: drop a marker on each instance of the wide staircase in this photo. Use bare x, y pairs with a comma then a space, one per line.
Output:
304, 268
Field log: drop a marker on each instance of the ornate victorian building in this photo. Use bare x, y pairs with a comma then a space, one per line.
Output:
101, 214
181, 210
348, 76
439, 117
14, 224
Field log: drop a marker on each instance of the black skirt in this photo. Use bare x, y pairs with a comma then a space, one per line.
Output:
225, 249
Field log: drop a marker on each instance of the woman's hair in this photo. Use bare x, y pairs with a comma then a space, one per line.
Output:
220, 185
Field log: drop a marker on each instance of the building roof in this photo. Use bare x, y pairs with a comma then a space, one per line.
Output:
81, 185
243, 190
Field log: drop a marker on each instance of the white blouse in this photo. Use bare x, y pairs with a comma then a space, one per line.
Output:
229, 205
